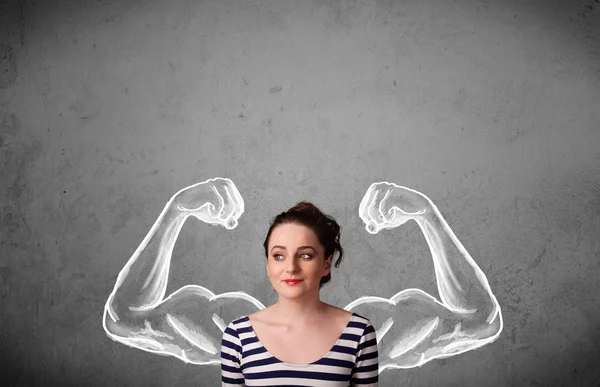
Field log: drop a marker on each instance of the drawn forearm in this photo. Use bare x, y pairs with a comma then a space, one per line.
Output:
142, 282
462, 286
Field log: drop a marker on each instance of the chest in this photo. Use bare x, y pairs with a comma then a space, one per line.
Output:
301, 346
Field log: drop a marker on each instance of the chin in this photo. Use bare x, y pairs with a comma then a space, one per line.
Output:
293, 291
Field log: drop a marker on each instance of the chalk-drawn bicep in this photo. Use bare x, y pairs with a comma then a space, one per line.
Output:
413, 328
180, 326
189, 324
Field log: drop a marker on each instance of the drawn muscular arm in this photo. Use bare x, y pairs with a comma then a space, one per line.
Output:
188, 323
417, 327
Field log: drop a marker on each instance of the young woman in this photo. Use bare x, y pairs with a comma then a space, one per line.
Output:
300, 340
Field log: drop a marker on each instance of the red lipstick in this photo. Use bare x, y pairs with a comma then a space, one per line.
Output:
292, 282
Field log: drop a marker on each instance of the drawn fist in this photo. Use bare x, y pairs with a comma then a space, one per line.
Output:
214, 201
387, 205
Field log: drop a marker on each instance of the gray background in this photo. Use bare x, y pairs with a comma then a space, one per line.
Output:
491, 108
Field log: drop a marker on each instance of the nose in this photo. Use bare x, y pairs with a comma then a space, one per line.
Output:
292, 266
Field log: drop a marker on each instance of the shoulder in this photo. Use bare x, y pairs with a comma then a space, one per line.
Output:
258, 315
262, 317
364, 324
238, 321
362, 319
236, 326
339, 313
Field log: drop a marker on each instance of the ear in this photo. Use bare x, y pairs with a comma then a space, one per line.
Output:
328, 264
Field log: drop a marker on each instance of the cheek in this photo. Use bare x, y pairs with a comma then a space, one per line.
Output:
316, 268
271, 268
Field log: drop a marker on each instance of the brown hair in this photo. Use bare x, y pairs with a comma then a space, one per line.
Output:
324, 226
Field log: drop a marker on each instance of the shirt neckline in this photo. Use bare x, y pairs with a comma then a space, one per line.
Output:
307, 364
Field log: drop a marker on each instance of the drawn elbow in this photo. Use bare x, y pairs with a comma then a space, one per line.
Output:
497, 324
491, 327
116, 328
112, 326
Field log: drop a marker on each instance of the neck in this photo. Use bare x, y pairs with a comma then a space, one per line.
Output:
299, 311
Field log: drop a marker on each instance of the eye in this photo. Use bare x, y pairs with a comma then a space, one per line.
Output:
308, 256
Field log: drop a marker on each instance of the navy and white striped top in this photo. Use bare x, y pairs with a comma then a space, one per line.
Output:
353, 360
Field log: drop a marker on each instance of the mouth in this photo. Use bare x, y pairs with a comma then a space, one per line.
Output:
292, 282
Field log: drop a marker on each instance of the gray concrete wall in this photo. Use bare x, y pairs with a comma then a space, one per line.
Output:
491, 108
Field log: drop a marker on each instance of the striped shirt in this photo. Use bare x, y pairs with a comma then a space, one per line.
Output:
353, 360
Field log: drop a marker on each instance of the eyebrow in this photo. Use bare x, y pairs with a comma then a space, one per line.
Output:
299, 248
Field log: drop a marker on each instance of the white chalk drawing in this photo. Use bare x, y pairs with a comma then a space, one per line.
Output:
412, 326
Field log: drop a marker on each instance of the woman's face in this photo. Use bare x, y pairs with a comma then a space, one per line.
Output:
295, 253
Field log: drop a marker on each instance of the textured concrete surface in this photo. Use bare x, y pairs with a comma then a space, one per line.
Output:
491, 108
